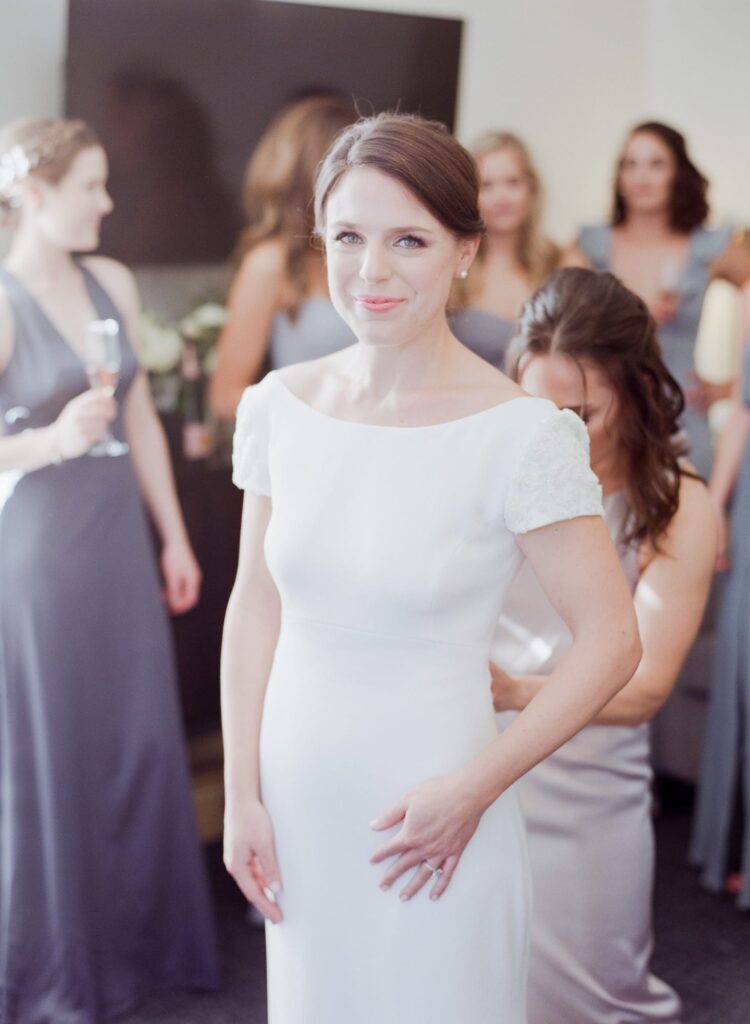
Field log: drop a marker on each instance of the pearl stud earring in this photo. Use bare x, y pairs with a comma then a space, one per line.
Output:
464, 274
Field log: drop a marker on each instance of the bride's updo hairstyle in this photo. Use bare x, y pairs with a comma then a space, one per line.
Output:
421, 155
596, 321
41, 147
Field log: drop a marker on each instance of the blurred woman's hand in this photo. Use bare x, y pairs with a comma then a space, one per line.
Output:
182, 577
82, 423
702, 394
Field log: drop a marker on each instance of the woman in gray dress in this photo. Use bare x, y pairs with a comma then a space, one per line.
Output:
514, 257
103, 894
723, 807
589, 344
658, 245
279, 309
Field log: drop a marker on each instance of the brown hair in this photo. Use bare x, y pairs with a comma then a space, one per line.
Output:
591, 317
42, 147
280, 174
538, 255
688, 204
422, 155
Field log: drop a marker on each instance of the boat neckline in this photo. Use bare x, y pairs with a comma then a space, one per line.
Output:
390, 426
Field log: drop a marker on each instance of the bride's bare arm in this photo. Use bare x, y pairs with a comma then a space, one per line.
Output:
251, 631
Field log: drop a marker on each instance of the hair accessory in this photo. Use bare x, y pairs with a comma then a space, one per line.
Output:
15, 166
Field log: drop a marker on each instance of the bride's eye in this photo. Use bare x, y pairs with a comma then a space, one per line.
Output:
347, 237
411, 242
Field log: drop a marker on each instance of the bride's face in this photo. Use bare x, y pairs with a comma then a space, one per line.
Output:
585, 390
391, 263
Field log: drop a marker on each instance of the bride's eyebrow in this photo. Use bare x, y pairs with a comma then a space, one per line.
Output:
341, 225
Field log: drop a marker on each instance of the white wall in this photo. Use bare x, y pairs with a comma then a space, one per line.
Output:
32, 54
698, 77
569, 76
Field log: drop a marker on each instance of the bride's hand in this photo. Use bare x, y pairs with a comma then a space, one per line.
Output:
250, 857
438, 818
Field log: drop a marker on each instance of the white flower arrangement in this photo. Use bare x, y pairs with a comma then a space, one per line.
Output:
203, 322
163, 347
161, 344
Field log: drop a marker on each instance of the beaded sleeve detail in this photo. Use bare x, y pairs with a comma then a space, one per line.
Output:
553, 480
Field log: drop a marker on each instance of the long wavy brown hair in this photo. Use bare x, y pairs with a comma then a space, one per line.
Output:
593, 319
279, 179
537, 254
688, 207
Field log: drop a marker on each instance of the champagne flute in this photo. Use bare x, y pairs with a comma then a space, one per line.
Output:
669, 279
101, 355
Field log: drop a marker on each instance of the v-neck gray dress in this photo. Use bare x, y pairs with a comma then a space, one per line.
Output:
103, 893
677, 336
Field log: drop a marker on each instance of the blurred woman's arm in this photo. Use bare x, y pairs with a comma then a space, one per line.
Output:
150, 453
728, 459
256, 296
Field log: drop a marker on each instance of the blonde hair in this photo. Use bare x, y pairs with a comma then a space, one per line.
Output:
536, 253
279, 179
41, 147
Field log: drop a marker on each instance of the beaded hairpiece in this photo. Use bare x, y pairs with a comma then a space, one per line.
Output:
15, 166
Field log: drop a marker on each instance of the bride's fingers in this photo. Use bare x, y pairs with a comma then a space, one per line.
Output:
419, 879
448, 867
254, 893
403, 863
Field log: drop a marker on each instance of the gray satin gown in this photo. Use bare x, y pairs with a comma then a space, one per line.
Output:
316, 331
678, 335
726, 741
103, 892
587, 810
484, 333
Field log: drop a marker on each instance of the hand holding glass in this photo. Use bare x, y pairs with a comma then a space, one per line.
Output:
101, 353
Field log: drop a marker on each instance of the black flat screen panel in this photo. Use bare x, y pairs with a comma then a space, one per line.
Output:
181, 90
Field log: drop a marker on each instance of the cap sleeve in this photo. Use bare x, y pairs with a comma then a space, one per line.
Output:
553, 480
250, 447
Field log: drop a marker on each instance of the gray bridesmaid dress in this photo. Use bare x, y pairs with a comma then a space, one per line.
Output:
316, 331
484, 333
725, 765
103, 891
587, 810
677, 336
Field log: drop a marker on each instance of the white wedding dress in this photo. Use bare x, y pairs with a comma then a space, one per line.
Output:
392, 549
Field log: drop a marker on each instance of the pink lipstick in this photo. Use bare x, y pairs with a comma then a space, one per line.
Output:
378, 303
